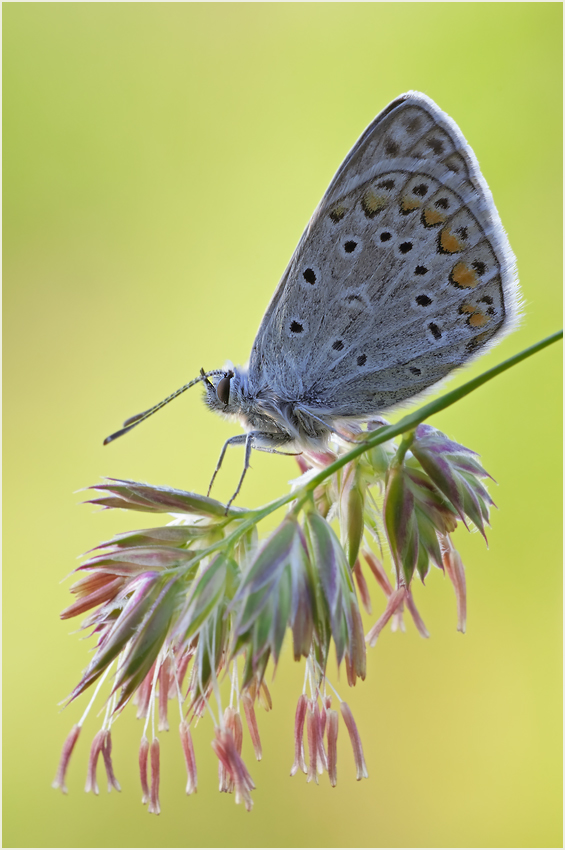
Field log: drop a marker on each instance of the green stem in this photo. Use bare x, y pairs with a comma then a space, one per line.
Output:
407, 441
407, 423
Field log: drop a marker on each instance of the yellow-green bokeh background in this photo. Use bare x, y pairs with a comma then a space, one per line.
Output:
160, 164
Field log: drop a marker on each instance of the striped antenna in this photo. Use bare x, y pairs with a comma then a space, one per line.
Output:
141, 417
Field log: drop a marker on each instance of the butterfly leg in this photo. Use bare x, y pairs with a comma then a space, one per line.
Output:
238, 440
325, 424
252, 441
248, 441
276, 451
246, 464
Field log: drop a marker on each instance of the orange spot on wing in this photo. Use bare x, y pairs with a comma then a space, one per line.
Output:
431, 217
337, 213
449, 243
478, 340
467, 308
478, 319
409, 204
463, 276
373, 203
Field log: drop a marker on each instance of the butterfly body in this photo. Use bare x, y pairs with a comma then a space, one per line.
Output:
274, 420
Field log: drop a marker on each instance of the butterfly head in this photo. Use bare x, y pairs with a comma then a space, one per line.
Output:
224, 391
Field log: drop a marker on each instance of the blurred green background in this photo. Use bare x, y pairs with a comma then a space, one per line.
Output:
160, 164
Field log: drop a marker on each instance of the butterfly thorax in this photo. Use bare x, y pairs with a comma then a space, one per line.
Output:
274, 420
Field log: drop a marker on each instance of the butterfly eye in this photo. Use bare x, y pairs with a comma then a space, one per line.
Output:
223, 388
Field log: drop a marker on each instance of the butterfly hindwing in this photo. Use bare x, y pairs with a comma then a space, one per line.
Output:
403, 273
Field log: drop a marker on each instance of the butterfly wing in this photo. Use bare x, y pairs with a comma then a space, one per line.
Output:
403, 273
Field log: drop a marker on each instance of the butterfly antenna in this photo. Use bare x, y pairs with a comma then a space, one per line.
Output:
141, 417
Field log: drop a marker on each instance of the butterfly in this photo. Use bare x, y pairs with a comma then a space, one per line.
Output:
403, 274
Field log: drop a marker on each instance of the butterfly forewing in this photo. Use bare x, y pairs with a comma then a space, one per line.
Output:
403, 273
